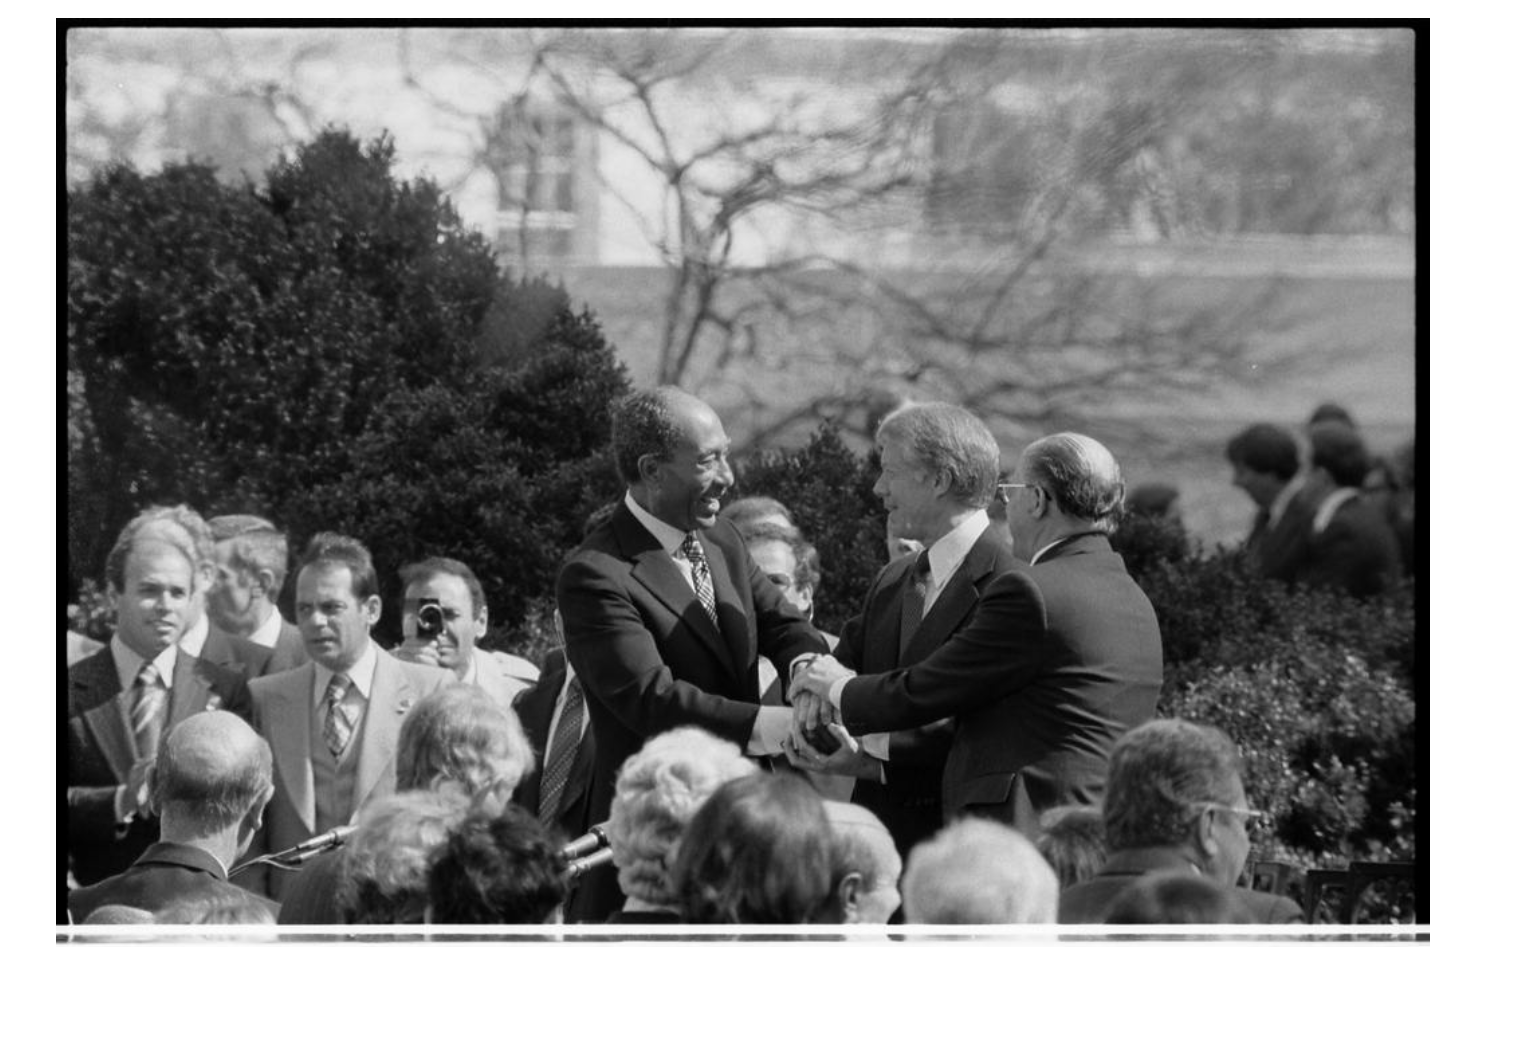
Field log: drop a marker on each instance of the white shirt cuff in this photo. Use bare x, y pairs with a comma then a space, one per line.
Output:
769, 730
876, 745
834, 695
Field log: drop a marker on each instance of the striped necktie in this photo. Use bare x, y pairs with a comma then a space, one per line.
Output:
148, 710
562, 752
338, 728
703, 586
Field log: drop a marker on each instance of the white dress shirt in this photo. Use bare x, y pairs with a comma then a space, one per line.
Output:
268, 633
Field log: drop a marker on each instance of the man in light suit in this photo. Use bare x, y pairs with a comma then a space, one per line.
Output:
665, 613
251, 570
939, 467
451, 631
1062, 657
332, 723
124, 698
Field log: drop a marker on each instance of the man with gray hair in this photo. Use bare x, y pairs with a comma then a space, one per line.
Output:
252, 558
1174, 803
869, 886
210, 786
939, 466
978, 873
1061, 658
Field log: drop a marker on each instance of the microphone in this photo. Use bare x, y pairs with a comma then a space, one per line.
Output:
293, 856
597, 837
581, 866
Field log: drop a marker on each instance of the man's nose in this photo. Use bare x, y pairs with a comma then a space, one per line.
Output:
726, 476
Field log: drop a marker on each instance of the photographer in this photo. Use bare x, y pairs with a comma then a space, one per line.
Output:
444, 614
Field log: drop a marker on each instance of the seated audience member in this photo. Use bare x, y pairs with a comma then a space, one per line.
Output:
252, 559
977, 872
1155, 501
1073, 842
1350, 543
656, 794
448, 637
218, 911
383, 875
210, 786
868, 881
1174, 803
759, 851
749, 514
456, 738
1166, 898
118, 915
503, 867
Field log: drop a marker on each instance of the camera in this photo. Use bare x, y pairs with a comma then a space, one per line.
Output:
431, 620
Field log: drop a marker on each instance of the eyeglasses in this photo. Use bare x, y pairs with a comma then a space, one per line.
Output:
1250, 816
1004, 489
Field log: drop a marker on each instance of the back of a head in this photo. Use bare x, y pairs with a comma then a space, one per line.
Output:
1331, 412
497, 867
1167, 898
212, 769
1073, 842
1158, 775
865, 847
1338, 449
979, 872
656, 794
761, 516
384, 866
461, 734
255, 544
759, 851
948, 439
220, 910
118, 915
1081, 475
1153, 499
1266, 448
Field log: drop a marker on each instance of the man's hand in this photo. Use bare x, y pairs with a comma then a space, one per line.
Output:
818, 676
848, 760
138, 800
812, 715
419, 651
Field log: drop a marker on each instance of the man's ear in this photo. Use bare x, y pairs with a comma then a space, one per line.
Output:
372, 607
850, 893
264, 581
1202, 834
479, 626
648, 466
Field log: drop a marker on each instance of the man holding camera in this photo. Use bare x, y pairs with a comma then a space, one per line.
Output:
444, 615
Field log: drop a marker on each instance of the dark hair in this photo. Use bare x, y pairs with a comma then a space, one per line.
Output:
1175, 897
1073, 842
1330, 412
644, 423
1152, 499
501, 867
760, 850
1339, 449
415, 573
329, 550
1158, 775
1265, 448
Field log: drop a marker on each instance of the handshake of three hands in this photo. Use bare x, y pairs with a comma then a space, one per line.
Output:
817, 740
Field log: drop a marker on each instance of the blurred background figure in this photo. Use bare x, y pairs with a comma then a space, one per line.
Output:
500, 867
1350, 542
383, 873
761, 851
252, 558
1073, 842
979, 872
657, 793
251, 910
118, 915
1267, 467
868, 881
1174, 803
1166, 898
748, 514
1159, 501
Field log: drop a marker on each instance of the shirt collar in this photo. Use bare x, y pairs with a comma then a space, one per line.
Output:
666, 535
471, 672
952, 548
1047, 548
129, 662
268, 633
361, 674
1283, 499
195, 636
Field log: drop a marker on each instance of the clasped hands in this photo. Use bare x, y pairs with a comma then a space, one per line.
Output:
818, 740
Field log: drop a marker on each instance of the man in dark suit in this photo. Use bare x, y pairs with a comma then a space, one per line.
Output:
210, 786
252, 557
1062, 656
563, 801
664, 611
939, 467
1267, 467
1350, 544
1174, 803
126, 697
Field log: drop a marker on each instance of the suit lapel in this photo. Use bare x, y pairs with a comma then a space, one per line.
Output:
657, 573
107, 718
955, 601
391, 694
189, 694
290, 738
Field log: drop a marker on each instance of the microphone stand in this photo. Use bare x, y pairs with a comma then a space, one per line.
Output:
293, 857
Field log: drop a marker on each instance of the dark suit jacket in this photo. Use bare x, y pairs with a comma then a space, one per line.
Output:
649, 657
1086, 903
166, 873
310, 897
289, 651
1278, 551
909, 802
235, 653
535, 707
1059, 660
1357, 552
102, 751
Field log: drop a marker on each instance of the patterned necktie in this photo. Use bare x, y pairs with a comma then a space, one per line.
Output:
563, 750
702, 585
337, 726
913, 603
148, 711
